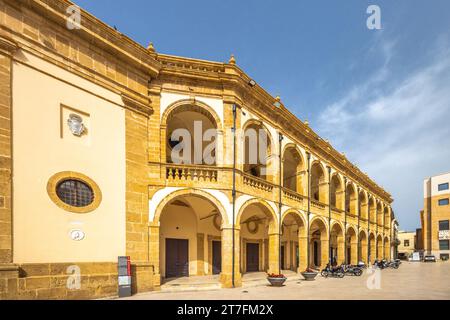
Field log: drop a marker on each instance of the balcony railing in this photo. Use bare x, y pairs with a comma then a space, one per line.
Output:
256, 182
191, 173
318, 204
292, 195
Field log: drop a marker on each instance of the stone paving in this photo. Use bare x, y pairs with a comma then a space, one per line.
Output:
413, 280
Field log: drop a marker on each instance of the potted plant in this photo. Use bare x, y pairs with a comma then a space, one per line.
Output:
276, 280
310, 274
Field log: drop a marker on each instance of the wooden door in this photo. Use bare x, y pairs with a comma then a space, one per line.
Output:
177, 258
216, 257
252, 257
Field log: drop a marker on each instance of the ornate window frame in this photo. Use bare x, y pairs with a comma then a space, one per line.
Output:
56, 179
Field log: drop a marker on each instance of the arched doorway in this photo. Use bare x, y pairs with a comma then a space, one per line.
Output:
363, 246
294, 242
337, 244
190, 234
352, 246
372, 248
380, 247
387, 251
318, 243
293, 170
259, 238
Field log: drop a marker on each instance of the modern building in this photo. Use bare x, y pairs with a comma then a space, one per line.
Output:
111, 149
436, 215
407, 244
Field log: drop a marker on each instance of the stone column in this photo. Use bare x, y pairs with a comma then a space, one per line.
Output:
324, 252
354, 250
303, 248
341, 250
8, 272
274, 253
227, 258
154, 254
200, 254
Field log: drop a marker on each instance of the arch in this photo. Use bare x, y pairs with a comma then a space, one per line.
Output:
189, 192
292, 168
363, 245
293, 240
252, 163
352, 229
268, 210
363, 204
299, 217
185, 114
319, 242
336, 191
351, 198
337, 243
380, 246
321, 220
197, 105
319, 185
371, 209
379, 212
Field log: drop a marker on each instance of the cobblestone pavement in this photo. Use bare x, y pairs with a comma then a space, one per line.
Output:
413, 280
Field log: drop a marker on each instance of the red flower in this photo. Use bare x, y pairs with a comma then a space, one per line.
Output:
273, 275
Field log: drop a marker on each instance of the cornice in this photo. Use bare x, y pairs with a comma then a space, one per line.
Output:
7, 45
97, 33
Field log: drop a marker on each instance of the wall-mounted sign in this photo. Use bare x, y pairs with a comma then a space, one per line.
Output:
77, 235
444, 235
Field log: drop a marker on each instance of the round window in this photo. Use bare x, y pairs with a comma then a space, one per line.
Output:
75, 193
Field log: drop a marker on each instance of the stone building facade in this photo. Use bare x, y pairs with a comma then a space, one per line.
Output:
87, 118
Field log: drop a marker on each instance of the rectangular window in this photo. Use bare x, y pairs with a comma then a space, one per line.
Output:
406, 243
443, 202
443, 186
443, 225
443, 245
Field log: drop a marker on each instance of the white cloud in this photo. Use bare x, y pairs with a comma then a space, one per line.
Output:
397, 130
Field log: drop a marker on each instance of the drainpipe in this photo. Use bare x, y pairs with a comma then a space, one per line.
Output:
345, 220
308, 156
358, 254
329, 216
280, 205
368, 231
234, 197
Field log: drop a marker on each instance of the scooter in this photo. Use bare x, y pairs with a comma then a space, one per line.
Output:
352, 270
329, 271
393, 264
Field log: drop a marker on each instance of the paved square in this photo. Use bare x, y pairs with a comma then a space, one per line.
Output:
411, 281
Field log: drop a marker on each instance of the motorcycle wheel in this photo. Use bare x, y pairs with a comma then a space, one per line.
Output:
358, 273
324, 274
340, 275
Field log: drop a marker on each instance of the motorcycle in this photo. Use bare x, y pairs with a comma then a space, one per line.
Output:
379, 264
393, 264
329, 271
352, 270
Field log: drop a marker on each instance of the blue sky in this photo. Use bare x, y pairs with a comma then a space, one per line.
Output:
380, 96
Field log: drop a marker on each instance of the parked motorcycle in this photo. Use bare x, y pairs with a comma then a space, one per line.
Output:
393, 264
379, 264
352, 270
329, 271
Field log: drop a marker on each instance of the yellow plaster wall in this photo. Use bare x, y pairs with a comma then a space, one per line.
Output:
41, 229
